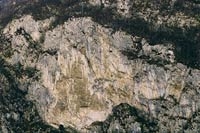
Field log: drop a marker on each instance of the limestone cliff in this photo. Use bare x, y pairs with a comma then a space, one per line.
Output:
101, 66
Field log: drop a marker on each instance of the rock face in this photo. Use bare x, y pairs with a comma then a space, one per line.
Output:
98, 78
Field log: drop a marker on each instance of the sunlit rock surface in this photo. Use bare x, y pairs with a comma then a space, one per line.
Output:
97, 78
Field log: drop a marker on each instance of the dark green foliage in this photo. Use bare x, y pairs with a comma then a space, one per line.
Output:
30, 71
13, 100
5, 46
16, 112
124, 114
42, 38
45, 9
186, 40
19, 70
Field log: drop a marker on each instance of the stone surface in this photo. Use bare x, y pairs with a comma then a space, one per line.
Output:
117, 74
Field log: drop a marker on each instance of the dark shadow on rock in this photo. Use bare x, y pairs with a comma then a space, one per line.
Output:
126, 118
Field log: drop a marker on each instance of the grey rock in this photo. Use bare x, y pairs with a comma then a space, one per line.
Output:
127, 71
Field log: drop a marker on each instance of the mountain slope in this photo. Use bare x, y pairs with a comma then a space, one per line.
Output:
103, 66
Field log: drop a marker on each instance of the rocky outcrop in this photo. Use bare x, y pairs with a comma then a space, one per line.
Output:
17, 114
84, 73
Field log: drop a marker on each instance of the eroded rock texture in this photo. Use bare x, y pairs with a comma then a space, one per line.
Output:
103, 66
